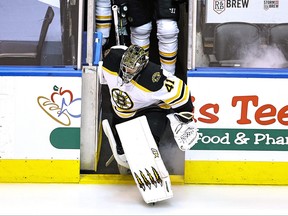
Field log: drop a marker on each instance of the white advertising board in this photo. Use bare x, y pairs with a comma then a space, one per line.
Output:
242, 119
40, 117
252, 11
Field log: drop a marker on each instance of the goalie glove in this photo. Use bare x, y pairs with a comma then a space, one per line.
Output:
184, 129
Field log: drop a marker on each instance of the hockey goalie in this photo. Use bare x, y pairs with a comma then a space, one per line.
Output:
144, 98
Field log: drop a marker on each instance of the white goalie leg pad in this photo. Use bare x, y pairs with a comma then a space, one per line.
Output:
107, 130
146, 164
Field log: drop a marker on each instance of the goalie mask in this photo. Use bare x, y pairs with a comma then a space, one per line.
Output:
133, 61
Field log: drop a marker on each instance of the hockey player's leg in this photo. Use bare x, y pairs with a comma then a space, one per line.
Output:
141, 36
123, 165
103, 18
167, 34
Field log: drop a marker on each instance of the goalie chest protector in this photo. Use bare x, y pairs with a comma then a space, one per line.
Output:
146, 164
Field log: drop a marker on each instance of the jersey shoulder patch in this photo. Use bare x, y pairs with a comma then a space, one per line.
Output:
152, 77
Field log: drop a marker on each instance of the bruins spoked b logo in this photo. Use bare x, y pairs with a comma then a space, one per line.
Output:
121, 99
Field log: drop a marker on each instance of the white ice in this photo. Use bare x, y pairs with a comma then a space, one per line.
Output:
103, 199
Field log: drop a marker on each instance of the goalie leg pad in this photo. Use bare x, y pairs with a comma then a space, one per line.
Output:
146, 164
121, 160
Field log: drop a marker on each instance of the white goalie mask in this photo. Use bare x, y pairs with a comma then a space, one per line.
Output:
133, 61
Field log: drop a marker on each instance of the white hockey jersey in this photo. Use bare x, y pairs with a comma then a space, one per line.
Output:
151, 87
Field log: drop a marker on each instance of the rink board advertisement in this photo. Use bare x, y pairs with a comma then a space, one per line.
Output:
243, 131
252, 11
40, 128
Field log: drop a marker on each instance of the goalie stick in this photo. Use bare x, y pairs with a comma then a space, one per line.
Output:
120, 22
115, 15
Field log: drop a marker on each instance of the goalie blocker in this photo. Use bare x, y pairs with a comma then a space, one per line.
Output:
184, 129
